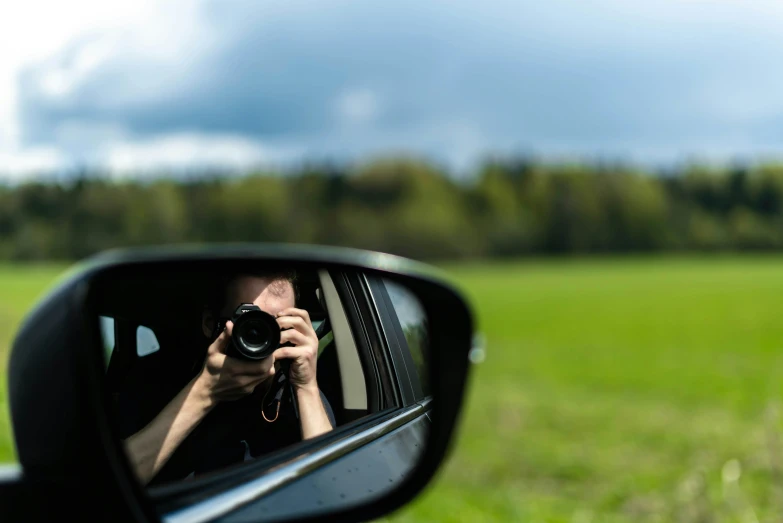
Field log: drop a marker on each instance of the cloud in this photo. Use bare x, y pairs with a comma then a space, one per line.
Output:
190, 150
23, 163
449, 79
358, 106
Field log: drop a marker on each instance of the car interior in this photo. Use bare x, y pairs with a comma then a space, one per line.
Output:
154, 321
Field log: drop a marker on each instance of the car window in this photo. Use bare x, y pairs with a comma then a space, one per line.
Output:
146, 342
413, 321
107, 335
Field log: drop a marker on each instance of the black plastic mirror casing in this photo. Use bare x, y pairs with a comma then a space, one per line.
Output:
72, 463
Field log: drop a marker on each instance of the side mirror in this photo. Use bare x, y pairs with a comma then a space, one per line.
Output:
236, 383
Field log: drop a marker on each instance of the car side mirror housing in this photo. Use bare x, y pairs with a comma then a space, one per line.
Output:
391, 338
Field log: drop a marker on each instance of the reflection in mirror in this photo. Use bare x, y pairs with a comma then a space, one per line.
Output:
208, 373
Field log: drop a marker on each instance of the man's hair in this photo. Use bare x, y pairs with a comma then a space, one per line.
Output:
278, 281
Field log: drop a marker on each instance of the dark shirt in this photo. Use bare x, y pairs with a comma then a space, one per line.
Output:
227, 434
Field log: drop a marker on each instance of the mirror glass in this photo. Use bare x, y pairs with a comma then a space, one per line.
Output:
236, 374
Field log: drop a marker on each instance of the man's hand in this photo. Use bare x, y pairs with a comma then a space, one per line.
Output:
303, 356
304, 353
224, 378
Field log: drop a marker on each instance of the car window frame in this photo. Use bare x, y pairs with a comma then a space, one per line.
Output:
394, 318
381, 394
404, 366
388, 389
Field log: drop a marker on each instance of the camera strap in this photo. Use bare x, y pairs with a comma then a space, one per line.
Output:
281, 384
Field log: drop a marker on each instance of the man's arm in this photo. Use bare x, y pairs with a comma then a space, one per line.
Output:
151, 447
298, 330
312, 415
221, 378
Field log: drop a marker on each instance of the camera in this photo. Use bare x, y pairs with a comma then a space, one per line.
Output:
256, 334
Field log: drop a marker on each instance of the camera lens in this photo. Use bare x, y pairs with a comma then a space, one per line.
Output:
256, 334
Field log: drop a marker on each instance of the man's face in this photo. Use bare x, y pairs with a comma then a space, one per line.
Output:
270, 296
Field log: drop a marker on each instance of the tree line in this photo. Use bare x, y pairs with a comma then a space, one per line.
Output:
406, 206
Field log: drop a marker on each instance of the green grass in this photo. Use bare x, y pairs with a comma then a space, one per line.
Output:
20, 287
617, 390
613, 390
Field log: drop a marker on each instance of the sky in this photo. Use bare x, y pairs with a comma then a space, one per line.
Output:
136, 86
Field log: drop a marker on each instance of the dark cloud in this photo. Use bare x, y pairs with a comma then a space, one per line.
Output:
496, 75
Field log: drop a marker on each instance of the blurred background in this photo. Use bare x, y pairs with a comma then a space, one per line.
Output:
603, 179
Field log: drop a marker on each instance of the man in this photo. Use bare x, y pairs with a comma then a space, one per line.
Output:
217, 418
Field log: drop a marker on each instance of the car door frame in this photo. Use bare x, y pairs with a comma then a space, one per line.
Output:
404, 366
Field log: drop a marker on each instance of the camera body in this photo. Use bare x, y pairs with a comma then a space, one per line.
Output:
256, 334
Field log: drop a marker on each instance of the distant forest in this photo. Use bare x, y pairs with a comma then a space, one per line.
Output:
408, 207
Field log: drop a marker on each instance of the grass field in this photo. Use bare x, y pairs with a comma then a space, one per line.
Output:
634, 389
20, 287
